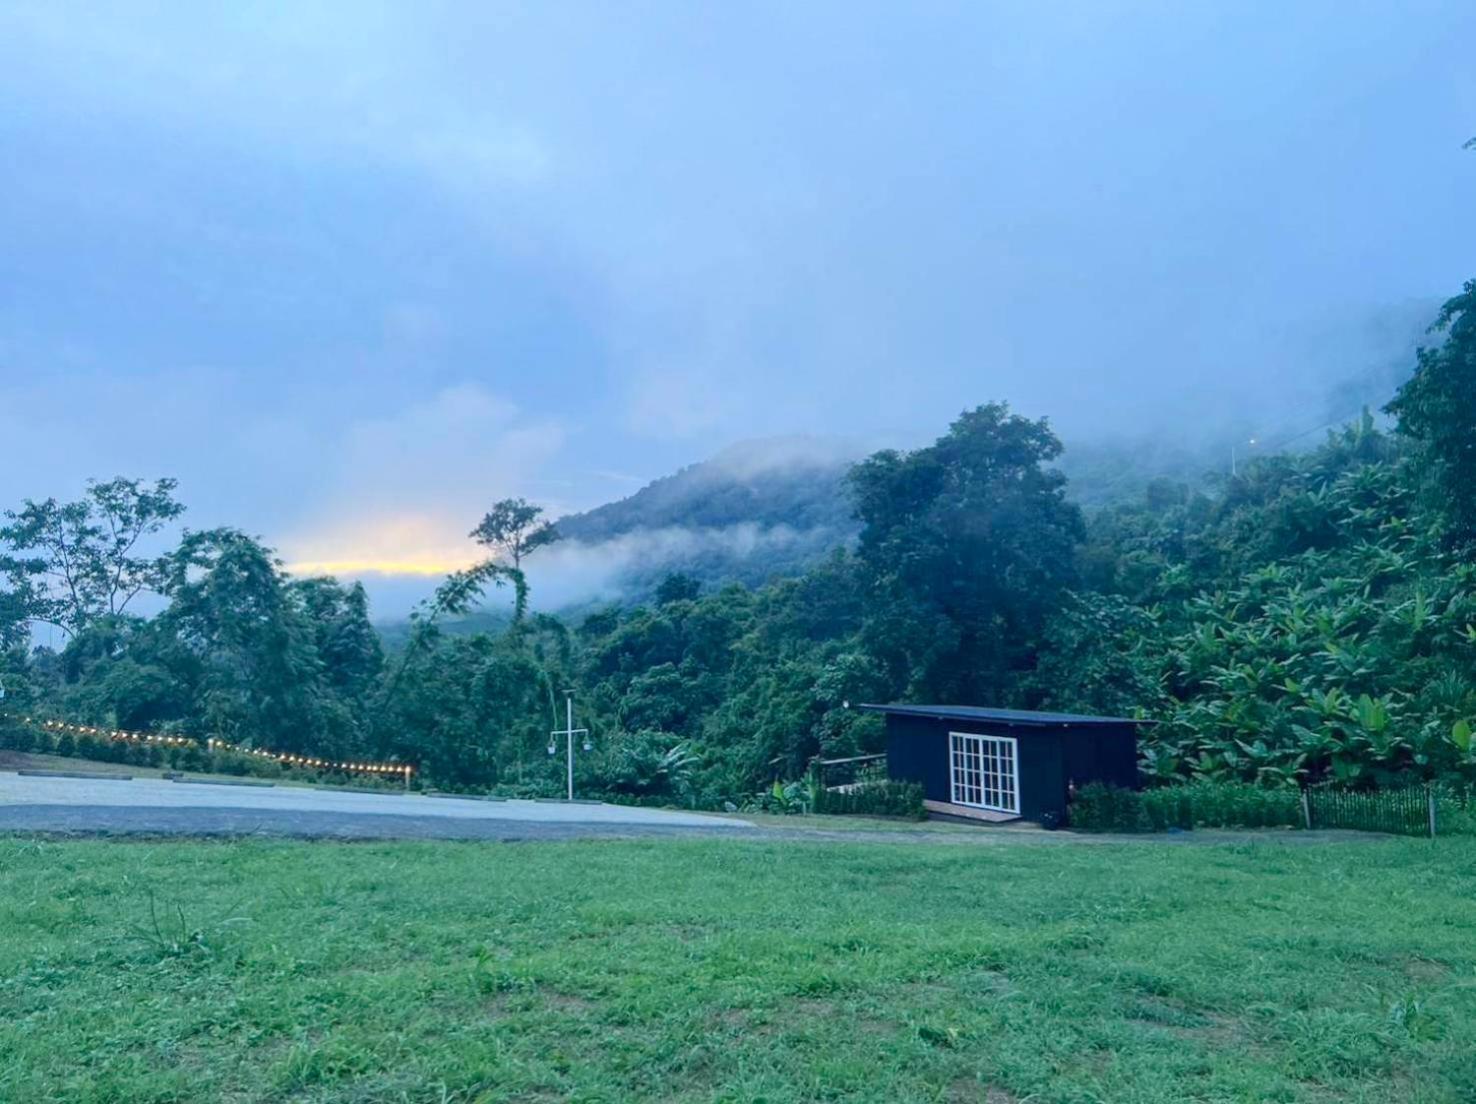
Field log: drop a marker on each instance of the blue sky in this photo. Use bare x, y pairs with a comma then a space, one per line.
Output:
353, 271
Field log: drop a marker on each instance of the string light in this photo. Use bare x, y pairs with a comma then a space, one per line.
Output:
404, 770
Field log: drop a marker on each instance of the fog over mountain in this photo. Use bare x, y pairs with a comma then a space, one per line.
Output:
772, 506
353, 272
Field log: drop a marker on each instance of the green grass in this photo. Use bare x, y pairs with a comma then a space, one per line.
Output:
735, 971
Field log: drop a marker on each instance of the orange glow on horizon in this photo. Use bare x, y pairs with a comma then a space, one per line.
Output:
409, 545
424, 567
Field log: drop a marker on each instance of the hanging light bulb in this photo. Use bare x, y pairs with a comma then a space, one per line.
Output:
588, 745
551, 748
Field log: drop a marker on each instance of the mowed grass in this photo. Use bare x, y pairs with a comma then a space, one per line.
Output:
736, 971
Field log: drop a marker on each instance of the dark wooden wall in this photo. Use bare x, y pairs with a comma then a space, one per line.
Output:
1102, 754
917, 751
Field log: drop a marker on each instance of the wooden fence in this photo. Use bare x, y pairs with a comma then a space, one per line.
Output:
1405, 810
841, 774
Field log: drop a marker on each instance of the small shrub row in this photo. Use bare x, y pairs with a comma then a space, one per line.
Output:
182, 757
1222, 805
1099, 807
1103, 808
883, 798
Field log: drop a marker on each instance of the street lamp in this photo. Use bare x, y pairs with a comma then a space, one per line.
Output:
569, 732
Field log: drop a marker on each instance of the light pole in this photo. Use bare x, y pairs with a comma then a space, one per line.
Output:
569, 732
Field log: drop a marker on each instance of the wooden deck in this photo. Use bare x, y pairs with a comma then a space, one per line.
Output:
969, 812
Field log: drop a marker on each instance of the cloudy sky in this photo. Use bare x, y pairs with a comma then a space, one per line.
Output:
353, 271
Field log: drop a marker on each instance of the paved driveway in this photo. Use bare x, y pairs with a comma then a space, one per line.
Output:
158, 806
150, 807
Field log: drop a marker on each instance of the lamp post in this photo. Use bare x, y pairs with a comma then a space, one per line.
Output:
569, 732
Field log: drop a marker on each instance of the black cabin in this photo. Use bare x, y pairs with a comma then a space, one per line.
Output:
1005, 764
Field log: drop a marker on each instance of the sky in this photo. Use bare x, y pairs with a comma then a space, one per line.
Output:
353, 271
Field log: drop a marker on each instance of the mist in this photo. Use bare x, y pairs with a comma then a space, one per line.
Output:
351, 289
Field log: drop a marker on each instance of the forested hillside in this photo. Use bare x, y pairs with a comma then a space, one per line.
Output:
755, 511
1312, 616
794, 481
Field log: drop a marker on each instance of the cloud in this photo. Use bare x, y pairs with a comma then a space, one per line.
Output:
409, 486
292, 80
570, 571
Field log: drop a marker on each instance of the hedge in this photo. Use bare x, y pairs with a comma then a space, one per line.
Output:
886, 798
1103, 808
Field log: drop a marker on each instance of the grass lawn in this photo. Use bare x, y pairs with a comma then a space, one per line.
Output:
736, 971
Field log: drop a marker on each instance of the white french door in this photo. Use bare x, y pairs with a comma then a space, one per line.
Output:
985, 771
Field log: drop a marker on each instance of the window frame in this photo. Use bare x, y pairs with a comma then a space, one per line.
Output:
987, 768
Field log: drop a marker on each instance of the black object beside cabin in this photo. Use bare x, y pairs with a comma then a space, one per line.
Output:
969, 759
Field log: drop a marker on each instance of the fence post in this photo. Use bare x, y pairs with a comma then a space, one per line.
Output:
1430, 798
1306, 809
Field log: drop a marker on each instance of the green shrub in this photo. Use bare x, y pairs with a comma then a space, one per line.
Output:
186, 757
1100, 807
1168, 807
88, 747
881, 798
788, 798
1455, 813
236, 763
14, 734
1245, 805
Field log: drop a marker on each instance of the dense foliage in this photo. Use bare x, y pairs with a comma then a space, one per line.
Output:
1310, 618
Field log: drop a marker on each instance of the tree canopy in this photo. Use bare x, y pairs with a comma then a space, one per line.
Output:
1436, 408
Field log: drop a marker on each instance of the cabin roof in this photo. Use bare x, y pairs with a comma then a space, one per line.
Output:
1014, 718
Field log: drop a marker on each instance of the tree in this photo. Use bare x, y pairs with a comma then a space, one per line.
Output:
347, 644
1436, 408
71, 563
677, 586
456, 596
16, 609
512, 528
245, 648
967, 546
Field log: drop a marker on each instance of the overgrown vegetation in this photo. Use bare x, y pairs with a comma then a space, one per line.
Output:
1311, 618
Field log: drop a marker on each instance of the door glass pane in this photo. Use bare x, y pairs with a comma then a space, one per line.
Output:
982, 772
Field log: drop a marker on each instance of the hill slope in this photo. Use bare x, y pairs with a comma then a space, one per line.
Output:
758, 509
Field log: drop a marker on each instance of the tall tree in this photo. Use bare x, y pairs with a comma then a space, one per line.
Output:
967, 545
245, 647
347, 644
71, 563
513, 528
1436, 408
